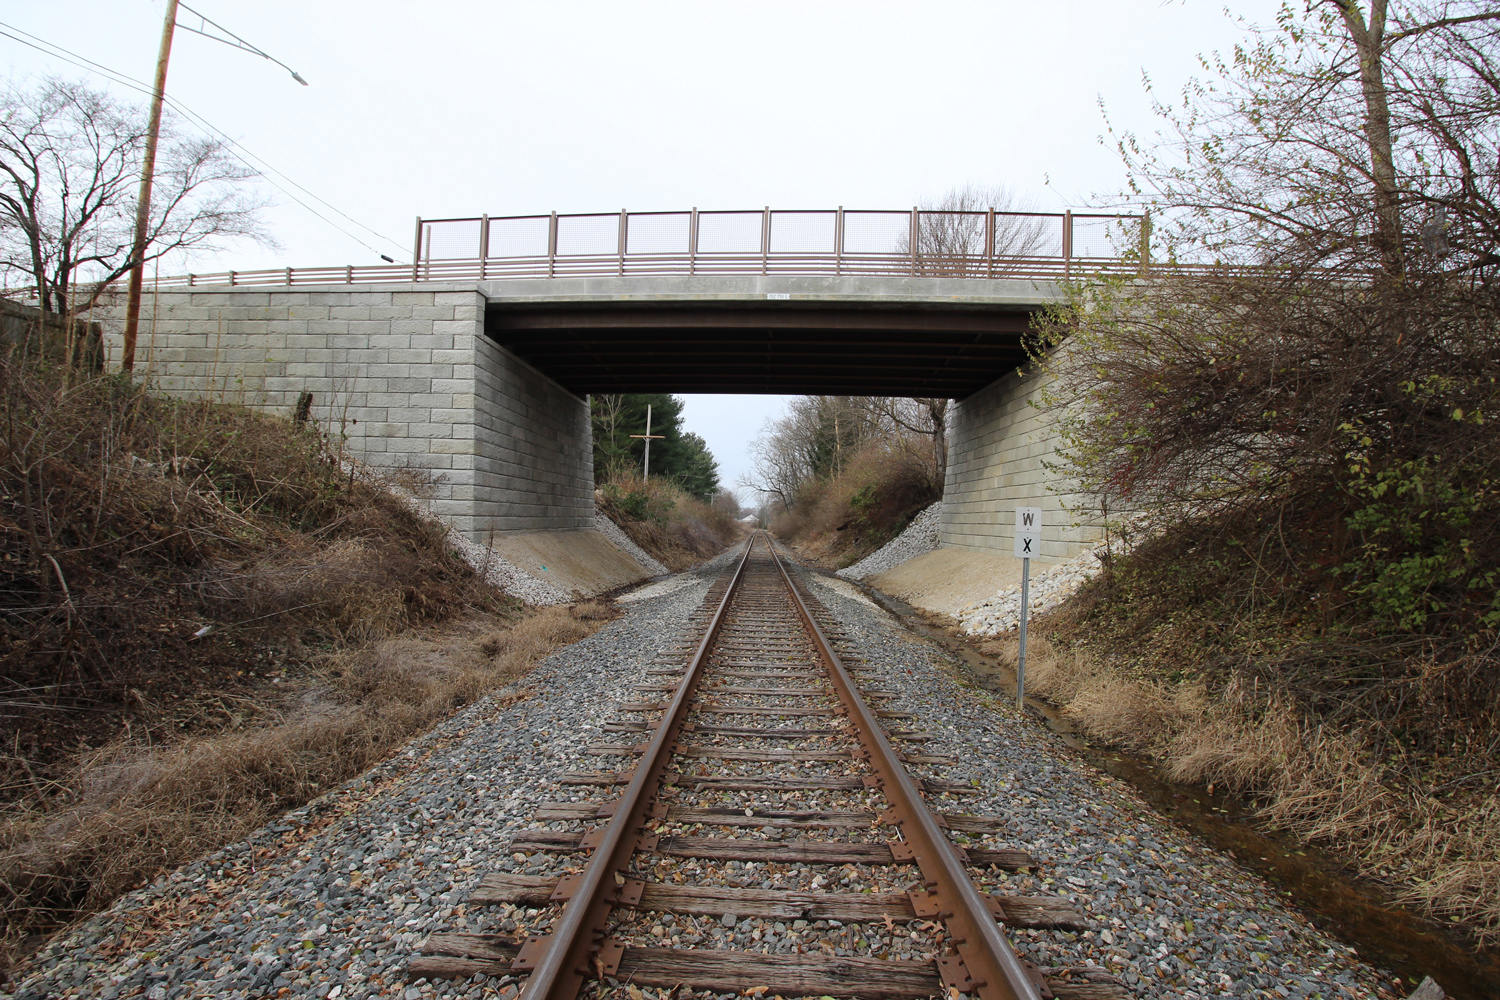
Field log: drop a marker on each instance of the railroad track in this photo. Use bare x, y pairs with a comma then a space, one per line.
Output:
753, 726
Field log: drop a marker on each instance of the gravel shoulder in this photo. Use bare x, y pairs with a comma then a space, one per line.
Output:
1173, 918
332, 900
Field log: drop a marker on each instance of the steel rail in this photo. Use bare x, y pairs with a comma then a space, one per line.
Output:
992, 967
561, 969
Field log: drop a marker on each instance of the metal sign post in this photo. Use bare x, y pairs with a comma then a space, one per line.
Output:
1028, 542
649, 438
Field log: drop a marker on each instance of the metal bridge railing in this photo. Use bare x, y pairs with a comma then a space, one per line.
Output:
916, 242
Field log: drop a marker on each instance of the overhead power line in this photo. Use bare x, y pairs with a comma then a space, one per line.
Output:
237, 149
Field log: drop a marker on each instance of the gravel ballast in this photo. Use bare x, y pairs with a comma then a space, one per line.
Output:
332, 900
1172, 917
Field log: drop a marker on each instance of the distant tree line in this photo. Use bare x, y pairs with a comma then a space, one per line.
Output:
819, 436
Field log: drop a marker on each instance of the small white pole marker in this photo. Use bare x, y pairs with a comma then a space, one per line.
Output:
1028, 542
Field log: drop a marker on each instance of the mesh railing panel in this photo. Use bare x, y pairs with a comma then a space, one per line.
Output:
454, 240
803, 232
1028, 235
729, 232
948, 234
1101, 238
877, 233
588, 235
658, 233
519, 237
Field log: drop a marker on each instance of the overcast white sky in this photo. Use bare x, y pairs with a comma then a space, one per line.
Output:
460, 108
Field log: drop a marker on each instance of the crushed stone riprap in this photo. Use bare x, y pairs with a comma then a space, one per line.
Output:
918, 538
616, 534
483, 560
332, 900
1050, 586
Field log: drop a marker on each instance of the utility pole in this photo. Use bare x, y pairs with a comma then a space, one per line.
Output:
148, 167
143, 204
649, 437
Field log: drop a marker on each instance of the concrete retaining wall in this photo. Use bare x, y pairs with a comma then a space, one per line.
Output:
997, 443
406, 378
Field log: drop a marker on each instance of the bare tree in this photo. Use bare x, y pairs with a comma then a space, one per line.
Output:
611, 440
951, 230
924, 417
1332, 140
70, 160
814, 440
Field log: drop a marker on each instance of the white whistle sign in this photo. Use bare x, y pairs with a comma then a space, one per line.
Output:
1028, 544
1028, 532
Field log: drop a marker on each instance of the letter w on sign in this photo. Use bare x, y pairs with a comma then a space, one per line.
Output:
1028, 532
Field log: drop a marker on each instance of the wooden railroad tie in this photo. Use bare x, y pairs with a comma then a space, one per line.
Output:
757, 783
1047, 912
454, 956
815, 852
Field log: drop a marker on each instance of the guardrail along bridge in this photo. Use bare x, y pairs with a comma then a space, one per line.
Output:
475, 360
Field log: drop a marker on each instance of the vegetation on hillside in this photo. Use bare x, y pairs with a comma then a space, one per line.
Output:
674, 526
206, 617
1315, 618
845, 474
681, 457
680, 515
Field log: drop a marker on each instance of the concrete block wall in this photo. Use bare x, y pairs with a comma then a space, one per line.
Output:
406, 378
997, 444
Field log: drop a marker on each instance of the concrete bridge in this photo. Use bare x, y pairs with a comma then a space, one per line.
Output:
481, 382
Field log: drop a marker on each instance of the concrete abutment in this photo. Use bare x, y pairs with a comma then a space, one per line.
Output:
999, 447
405, 379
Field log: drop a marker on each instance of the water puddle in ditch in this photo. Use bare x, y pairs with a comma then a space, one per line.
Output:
1391, 938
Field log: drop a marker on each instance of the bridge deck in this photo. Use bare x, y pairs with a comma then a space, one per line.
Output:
859, 336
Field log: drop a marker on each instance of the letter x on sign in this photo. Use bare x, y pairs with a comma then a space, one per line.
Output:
1028, 532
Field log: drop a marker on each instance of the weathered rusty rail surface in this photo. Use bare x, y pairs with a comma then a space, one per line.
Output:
762, 639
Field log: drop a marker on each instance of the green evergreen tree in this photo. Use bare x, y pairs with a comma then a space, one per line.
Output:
700, 472
682, 457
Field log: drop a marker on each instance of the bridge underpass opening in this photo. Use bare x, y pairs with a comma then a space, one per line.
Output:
483, 384
769, 345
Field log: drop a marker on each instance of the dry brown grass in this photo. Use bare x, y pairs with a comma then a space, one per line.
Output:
675, 528
132, 812
1350, 789
206, 617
